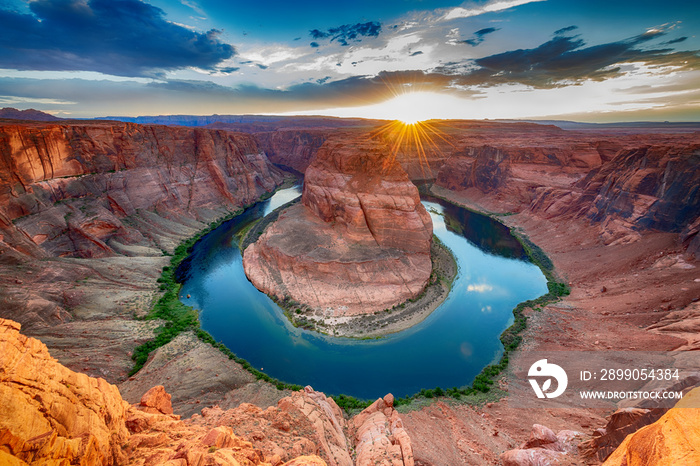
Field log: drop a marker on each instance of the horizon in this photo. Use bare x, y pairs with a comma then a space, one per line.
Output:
321, 116
581, 61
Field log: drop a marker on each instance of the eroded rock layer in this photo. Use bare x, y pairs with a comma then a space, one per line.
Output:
358, 243
88, 211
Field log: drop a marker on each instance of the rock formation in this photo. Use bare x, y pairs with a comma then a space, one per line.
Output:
673, 439
543, 447
52, 415
87, 209
69, 188
360, 241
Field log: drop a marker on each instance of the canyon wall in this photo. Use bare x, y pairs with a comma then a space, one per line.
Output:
88, 212
358, 243
622, 184
88, 209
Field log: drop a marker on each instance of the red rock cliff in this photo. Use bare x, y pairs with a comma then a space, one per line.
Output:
73, 185
122, 195
360, 241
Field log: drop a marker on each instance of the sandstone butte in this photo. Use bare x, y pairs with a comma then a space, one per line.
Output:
88, 209
359, 242
54, 416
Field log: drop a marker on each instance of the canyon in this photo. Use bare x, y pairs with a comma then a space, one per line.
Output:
90, 209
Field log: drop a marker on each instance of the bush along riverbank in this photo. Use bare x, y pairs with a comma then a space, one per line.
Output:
178, 318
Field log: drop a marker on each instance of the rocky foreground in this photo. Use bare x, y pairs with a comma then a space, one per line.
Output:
54, 416
358, 243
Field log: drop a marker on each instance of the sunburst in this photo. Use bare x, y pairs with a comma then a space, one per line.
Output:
413, 138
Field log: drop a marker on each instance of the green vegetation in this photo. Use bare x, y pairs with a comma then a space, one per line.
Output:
179, 318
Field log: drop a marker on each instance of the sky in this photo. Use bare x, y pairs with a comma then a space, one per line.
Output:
583, 60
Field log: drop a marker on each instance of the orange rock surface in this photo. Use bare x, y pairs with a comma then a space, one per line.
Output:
360, 241
54, 416
672, 440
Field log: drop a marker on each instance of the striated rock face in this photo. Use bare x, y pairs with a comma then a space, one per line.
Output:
359, 186
69, 188
653, 187
295, 149
672, 440
622, 422
119, 195
485, 168
360, 241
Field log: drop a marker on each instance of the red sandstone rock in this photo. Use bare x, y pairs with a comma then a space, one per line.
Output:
120, 169
544, 448
620, 424
360, 242
156, 400
380, 437
54, 416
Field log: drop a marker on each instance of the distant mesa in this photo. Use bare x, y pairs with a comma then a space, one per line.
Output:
358, 243
27, 115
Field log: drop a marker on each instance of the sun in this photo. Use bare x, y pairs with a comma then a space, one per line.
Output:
413, 107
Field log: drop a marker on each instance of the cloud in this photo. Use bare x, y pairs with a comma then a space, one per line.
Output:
118, 37
479, 36
565, 30
479, 288
348, 32
676, 41
489, 7
565, 60
414, 54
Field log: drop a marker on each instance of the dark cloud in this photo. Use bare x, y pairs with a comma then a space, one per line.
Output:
348, 32
565, 30
478, 36
314, 44
676, 41
261, 66
483, 32
565, 60
416, 53
230, 69
118, 37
